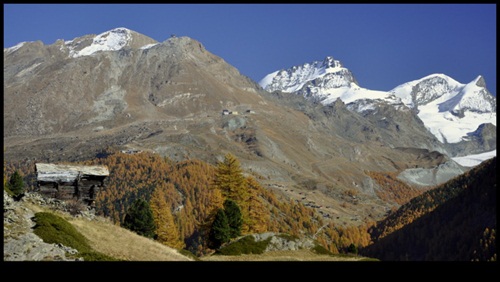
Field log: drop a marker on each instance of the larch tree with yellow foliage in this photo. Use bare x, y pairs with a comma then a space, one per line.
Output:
256, 215
166, 230
230, 180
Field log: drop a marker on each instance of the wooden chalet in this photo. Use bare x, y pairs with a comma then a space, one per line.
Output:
66, 182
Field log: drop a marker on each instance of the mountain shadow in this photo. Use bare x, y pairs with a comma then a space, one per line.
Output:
454, 222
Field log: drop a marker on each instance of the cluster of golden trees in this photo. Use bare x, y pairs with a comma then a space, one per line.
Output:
393, 189
24, 168
338, 239
486, 251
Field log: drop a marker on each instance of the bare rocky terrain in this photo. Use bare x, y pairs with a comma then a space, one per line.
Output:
19, 241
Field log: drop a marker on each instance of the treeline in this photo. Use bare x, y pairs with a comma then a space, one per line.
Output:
455, 221
184, 197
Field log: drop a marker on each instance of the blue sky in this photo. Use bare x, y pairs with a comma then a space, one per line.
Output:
384, 45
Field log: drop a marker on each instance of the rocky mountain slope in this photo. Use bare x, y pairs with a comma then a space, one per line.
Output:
119, 90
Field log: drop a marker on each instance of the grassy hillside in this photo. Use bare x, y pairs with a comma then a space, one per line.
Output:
454, 222
124, 244
99, 239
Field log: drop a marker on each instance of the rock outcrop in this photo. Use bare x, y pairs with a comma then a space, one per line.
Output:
20, 242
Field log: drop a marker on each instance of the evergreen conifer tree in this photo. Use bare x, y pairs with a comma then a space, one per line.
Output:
234, 218
139, 218
16, 184
353, 249
219, 233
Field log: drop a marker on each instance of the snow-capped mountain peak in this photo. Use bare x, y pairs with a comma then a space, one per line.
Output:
479, 81
329, 63
114, 39
448, 108
323, 81
472, 97
294, 78
449, 94
111, 40
426, 89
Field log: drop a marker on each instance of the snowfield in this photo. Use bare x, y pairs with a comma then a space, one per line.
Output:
474, 160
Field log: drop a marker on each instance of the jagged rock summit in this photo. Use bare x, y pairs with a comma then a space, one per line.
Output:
296, 77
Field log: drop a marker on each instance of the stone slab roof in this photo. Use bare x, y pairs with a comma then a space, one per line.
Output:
67, 173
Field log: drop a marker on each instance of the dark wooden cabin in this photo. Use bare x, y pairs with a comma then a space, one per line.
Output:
66, 182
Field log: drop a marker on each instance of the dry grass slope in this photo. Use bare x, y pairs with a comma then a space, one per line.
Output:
123, 244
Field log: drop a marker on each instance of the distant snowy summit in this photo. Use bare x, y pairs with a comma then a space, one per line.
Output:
450, 110
453, 96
